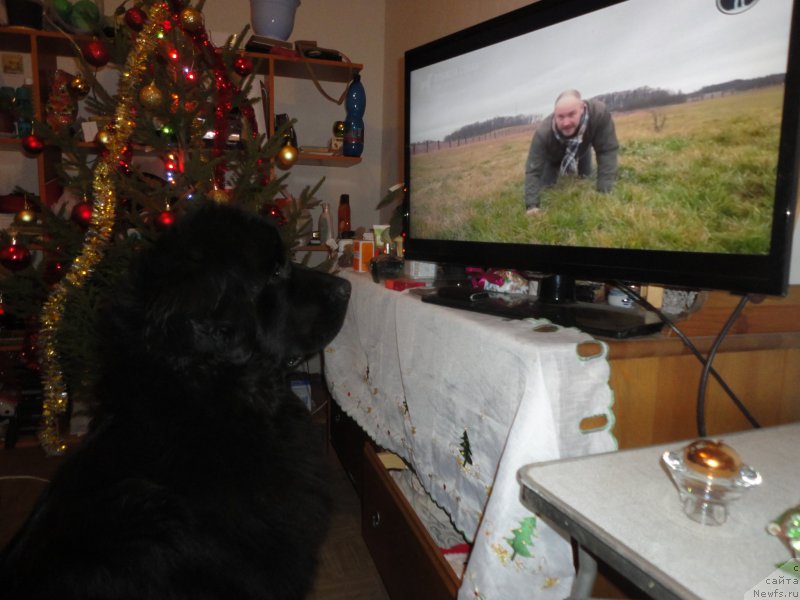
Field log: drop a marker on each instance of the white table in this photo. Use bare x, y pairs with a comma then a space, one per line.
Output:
467, 399
623, 508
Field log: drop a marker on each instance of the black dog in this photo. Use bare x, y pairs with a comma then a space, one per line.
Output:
201, 476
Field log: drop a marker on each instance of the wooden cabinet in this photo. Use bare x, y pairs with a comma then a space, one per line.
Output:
404, 552
45, 48
348, 440
656, 379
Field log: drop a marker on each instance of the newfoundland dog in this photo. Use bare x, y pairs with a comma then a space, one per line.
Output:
201, 476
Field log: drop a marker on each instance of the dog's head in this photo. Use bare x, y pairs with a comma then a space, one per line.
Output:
217, 291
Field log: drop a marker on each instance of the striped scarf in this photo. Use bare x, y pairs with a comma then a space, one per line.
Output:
569, 164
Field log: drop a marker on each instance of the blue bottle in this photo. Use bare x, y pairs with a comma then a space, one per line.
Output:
24, 105
355, 104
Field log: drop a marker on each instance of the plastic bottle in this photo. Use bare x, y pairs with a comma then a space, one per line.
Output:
24, 103
355, 103
325, 223
344, 216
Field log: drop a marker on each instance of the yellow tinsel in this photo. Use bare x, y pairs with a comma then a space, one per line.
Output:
55, 400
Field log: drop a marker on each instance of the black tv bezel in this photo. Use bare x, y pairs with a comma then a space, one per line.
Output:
757, 274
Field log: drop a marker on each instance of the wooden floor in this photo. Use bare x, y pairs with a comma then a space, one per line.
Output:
346, 570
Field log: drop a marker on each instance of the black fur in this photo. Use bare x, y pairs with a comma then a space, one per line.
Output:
201, 476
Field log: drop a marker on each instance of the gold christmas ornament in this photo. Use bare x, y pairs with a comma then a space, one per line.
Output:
79, 87
287, 156
25, 217
219, 196
151, 96
103, 137
191, 19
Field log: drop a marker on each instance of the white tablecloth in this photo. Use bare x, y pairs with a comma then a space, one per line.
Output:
467, 399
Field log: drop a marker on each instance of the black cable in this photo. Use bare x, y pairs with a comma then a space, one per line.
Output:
701, 390
690, 345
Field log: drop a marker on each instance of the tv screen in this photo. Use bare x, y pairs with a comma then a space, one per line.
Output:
634, 140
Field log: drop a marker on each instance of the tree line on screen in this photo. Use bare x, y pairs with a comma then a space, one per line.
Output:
483, 127
644, 97
647, 97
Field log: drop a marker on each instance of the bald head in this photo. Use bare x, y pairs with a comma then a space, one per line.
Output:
568, 111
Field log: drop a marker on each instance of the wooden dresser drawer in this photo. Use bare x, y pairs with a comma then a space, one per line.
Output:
405, 554
348, 440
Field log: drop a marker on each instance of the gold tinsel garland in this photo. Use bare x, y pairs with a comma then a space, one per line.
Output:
55, 399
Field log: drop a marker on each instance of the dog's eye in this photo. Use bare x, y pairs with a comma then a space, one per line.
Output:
281, 271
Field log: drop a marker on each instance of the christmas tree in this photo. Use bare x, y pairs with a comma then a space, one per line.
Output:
466, 449
521, 539
178, 98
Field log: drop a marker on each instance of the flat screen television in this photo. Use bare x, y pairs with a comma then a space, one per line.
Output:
690, 133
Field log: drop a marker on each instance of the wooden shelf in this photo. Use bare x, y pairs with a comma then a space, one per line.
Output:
314, 248
327, 160
10, 143
302, 68
20, 39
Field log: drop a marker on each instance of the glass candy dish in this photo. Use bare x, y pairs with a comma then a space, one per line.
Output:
709, 475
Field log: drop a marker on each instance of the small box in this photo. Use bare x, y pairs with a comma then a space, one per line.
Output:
363, 252
402, 283
302, 389
416, 269
90, 130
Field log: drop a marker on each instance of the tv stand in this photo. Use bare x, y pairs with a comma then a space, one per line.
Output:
596, 319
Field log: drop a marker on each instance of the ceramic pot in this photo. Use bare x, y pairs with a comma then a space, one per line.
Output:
273, 18
24, 13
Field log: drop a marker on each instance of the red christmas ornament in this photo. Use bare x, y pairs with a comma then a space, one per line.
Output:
124, 160
135, 18
15, 257
29, 355
82, 213
243, 66
53, 272
165, 219
275, 213
33, 144
96, 53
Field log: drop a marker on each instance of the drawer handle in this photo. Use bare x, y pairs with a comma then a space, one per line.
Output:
376, 519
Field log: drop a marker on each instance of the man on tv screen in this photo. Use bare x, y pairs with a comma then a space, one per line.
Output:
562, 145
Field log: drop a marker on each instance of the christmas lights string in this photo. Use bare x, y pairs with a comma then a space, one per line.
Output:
98, 235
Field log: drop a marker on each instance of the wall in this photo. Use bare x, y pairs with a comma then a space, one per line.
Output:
356, 28
411, 23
